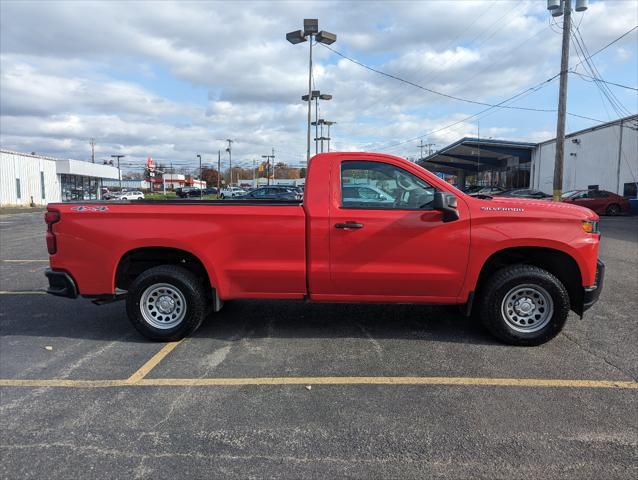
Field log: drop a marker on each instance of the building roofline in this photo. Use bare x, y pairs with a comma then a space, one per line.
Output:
594, 128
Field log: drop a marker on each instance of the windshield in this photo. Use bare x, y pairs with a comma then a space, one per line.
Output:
569, 193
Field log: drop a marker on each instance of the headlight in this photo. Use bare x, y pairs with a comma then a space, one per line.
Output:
590, 226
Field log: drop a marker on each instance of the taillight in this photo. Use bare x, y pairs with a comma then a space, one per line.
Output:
51, 217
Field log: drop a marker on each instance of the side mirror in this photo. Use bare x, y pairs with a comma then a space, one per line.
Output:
446, 203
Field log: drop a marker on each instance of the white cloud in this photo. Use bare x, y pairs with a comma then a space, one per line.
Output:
126, 73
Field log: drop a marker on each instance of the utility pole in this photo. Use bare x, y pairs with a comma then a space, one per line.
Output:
562, 103
430, 145
119, 172
201, 192
254, 175
92, 143
268, 157
230, 159
273, 165
558, 8
219, 171
421, 145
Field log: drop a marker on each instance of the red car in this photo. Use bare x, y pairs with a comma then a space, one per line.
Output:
521, 264
600, 201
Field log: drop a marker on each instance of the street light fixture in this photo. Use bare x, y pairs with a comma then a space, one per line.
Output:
310, 29
316, 96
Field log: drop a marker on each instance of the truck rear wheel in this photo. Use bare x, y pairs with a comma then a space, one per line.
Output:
524, 305
166, 303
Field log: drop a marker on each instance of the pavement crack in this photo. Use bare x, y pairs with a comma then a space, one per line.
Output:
596, 354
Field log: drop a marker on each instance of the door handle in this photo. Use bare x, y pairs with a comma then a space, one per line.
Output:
349, 225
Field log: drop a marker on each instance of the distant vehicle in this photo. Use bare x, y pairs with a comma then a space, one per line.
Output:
195, 192
472, 189
366, 194
600, 201
525, 193
478, 190
134, 195
272, 193
232, 192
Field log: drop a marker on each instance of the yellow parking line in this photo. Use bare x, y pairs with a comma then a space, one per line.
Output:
23, 292
152, 363
137, 379
24, 261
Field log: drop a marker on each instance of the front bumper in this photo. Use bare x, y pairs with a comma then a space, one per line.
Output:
61, 284
591, 294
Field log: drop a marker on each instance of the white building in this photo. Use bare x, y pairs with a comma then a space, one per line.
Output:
30, 179
604, 157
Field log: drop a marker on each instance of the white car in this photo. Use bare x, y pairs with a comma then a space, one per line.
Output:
232, 192
135, 195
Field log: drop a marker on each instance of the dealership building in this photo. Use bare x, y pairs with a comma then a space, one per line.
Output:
31, 179
602, 157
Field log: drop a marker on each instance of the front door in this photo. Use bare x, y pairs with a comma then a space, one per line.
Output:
387, 242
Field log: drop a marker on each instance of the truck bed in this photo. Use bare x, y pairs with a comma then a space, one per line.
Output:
250, 248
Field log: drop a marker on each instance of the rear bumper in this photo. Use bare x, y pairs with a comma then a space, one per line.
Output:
591, 294
61, 284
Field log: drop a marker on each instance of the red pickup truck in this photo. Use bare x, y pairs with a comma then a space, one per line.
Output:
370, 228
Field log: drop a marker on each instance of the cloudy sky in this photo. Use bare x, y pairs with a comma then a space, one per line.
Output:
173, 79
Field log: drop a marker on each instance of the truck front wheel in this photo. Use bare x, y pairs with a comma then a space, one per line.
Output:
524, 305
166, 303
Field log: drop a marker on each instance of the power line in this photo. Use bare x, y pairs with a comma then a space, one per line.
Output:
498, 105
421, 87
583, 75
609, 44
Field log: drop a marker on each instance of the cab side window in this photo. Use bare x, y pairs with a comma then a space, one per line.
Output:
376, 185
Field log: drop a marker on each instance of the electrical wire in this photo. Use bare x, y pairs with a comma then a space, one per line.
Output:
421, 87
609, 44
592, 79
477, 114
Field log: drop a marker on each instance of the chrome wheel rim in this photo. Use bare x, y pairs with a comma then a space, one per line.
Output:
527, 308
163, 306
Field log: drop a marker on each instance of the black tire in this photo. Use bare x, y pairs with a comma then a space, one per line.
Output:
613, 209
506, 283
221, 196
181, 281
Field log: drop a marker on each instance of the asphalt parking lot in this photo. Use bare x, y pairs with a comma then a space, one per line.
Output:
293, 390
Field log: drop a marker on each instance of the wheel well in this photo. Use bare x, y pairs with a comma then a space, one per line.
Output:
558, 263
137, 261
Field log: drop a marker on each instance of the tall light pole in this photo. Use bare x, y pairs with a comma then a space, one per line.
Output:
310, 30
119, 172
558, 8
200, 175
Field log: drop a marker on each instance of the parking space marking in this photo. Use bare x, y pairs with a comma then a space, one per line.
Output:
138, 380
152, 363
23, 292
24, 261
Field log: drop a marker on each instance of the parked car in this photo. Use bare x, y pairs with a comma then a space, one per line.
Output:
490, 190
521, 264
600, 201
231, 192
525, 193
134, 195
273, 192
186, 192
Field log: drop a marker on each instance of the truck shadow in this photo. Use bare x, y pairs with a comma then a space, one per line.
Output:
263, 319
48, 317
